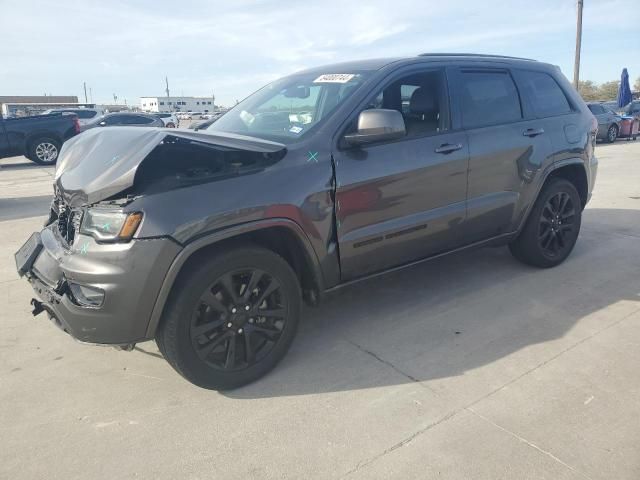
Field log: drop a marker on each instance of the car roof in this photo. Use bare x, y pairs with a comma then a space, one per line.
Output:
127, 113
379, 63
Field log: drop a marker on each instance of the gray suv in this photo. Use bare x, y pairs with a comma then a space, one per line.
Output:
209, 242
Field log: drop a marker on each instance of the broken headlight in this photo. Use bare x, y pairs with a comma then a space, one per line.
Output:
110, 225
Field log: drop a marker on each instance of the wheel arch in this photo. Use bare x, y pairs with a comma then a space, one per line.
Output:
575, 173
572, 170
283, 236
31, 138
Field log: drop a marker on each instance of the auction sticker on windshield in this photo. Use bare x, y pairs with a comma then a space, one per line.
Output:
334, 78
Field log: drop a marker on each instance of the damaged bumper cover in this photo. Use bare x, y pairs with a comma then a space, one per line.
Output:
129, 275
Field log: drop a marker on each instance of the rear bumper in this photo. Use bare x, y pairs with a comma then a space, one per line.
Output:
129, 274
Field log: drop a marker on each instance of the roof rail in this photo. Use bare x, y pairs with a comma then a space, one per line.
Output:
482, 55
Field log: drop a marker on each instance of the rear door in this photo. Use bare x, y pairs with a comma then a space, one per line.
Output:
402, 200
507, 147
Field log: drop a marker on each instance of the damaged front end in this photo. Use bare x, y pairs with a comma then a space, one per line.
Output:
94, 276
105, 163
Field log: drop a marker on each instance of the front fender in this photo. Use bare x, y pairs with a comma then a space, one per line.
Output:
215, 237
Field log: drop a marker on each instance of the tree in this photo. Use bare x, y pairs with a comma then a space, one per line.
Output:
608, 90
588, 90
636, 86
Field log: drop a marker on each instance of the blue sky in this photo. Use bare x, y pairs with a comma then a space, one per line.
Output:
233, 47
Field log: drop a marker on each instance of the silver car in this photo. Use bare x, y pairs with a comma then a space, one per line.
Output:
608, 122
85, 115
127, 119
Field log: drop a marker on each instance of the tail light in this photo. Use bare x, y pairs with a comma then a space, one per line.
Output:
76, 124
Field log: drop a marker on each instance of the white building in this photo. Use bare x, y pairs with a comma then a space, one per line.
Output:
176, 104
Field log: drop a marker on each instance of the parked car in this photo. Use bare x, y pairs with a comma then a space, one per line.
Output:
209, 242
124, 119
204, 124
39, 138
608, 122
633, 109
85, 115
168, 119
613, 106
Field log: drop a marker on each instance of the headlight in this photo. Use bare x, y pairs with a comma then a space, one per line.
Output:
110, 225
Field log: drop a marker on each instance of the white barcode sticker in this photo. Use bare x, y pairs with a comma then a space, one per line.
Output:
334, 78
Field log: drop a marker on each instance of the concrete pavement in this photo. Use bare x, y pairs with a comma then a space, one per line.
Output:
472, 366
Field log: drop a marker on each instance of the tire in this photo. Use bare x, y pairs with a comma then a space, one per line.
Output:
612, 134
551, 224
170, 125
207, 335
44, 150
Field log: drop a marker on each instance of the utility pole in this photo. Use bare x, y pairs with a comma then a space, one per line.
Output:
576, 65
84, 84
166, 80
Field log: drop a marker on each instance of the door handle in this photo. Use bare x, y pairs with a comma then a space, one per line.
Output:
533, 132
448, 148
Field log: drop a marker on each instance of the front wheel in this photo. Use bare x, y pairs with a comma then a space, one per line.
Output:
552, 228
44, 151
231, 318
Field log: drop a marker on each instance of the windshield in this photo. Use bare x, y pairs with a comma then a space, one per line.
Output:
288, 108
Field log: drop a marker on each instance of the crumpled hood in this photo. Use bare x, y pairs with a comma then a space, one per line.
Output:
102, 162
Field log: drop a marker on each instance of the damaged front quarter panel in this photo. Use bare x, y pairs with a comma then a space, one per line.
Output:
102, 163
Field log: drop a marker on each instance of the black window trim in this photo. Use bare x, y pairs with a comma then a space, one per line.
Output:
489, 69
412, 69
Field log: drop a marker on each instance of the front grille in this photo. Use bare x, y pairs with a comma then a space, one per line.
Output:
68, 221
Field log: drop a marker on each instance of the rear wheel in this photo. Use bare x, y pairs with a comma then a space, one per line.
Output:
44, 150
612, 133
170, 125
232, 318
552, 228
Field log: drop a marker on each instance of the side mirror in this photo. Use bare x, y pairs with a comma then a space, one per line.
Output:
377, 125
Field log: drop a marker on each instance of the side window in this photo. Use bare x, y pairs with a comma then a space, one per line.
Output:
489, 98
421, 98
547, 98
139, 120
85, 113
113, 120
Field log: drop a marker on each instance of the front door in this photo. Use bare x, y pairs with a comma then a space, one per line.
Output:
403, 200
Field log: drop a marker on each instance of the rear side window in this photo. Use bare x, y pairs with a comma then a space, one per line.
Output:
547, 98
489, 98
137, 120
596, 109
85, 113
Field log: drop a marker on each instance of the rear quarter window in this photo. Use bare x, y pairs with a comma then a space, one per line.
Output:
546, 97
85, 113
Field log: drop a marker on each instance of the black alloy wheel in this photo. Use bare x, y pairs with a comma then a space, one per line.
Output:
239, 319
231, 316
556, 225
552, 227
